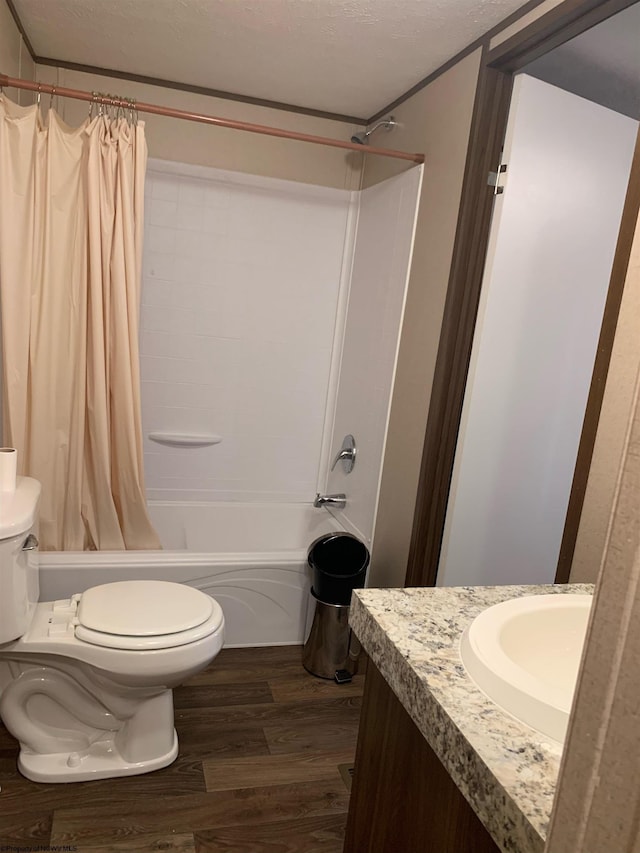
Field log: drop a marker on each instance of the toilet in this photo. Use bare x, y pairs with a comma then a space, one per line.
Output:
86, 683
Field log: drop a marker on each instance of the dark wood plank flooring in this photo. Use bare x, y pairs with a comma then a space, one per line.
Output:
261, 769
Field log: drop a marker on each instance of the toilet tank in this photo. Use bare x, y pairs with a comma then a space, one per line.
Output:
19, 586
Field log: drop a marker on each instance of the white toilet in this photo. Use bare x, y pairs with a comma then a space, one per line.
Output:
86, 683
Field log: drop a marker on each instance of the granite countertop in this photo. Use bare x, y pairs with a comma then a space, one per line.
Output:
506, 770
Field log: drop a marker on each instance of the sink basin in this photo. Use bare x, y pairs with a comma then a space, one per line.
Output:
525, 654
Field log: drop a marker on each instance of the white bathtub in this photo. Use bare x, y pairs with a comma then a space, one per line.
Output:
252, 558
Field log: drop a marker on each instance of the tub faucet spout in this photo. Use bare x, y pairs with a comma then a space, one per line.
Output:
337, 501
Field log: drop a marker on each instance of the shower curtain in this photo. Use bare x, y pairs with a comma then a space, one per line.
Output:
71, 209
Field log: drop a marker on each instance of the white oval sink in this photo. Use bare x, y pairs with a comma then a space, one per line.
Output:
525, 654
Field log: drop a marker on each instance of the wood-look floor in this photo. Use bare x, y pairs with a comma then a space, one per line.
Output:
261, 769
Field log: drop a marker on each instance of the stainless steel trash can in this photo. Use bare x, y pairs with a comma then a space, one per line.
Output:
332, 649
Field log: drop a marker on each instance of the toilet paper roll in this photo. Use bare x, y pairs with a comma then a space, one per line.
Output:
8, 469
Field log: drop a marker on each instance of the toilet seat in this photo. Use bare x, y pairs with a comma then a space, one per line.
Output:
144, 615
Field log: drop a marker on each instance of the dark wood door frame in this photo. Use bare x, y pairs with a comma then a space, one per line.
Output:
488, 127
600, 370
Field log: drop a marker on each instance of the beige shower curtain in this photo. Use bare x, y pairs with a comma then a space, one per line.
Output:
71, 209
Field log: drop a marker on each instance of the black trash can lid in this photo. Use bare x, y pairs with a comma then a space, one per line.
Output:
338, 554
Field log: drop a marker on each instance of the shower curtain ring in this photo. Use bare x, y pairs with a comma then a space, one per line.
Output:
53, 93
39, 93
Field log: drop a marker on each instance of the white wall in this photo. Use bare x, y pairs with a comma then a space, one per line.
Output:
241, 279
552, 244
382, 258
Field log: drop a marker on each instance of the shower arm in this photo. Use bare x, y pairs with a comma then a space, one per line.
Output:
387, 123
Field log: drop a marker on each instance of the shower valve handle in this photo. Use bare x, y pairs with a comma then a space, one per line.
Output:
346, 454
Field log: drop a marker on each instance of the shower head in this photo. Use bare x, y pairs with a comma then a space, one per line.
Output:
363, 138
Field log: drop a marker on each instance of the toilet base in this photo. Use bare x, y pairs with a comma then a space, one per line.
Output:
100, 761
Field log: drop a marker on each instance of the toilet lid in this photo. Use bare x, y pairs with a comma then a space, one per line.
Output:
145, 615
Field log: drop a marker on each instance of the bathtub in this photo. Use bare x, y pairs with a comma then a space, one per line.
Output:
251, 557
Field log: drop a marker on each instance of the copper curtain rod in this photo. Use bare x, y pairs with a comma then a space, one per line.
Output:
79, 95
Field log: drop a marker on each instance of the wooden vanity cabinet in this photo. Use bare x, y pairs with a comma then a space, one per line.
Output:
402, 799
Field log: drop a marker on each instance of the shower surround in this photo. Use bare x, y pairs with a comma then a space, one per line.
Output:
241, 281
270, 322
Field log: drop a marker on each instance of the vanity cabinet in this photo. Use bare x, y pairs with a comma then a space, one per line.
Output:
407, 797
402, 799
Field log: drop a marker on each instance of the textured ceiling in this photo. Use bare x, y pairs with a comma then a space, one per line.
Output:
343, 56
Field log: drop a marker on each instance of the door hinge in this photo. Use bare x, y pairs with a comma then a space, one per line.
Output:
497, 179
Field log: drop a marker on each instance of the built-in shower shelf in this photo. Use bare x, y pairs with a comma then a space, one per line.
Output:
178, 439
